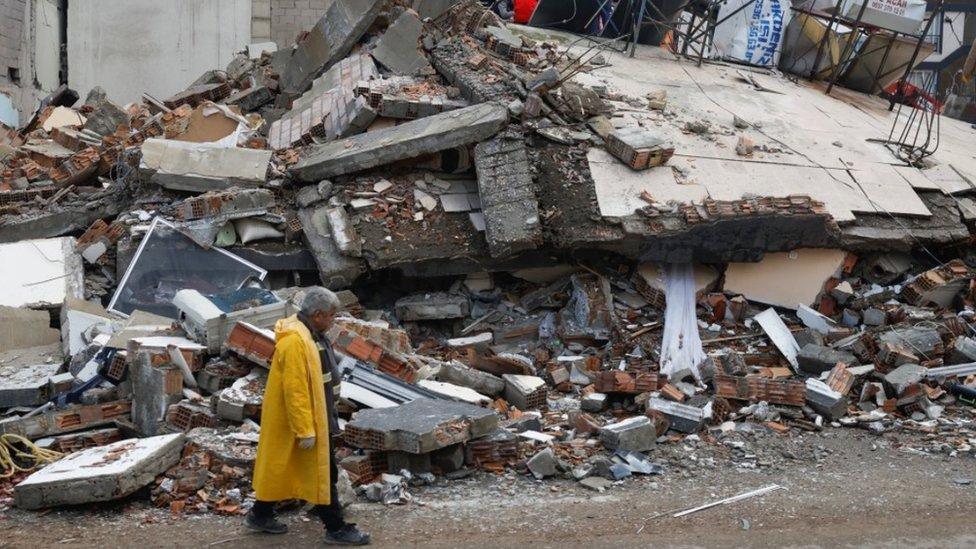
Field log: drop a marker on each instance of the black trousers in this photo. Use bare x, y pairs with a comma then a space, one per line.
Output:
330, 515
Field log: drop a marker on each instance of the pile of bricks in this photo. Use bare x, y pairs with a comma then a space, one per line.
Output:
100, 230
386, 361
627, 382
330, 110
251, 343
364, 467
711, 210
949, 277
81, 165
198, 94
75, 442
758, 388
185, 416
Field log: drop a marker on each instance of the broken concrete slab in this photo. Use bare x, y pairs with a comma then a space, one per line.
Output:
455, 392
251, 99
408, 140
815, 359
102, 473
243, 398
904, 376
919, 339
508, 197
332, 38
399, 48
25, 328
336, 269
431, 306
683, 418
202, 167
80, 321
785, 279
25, 374
419, 426
482, 382
105, 117
635, 434
40, 273
824, 400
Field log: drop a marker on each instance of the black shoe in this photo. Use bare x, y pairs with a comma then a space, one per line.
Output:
347, 535
267, 525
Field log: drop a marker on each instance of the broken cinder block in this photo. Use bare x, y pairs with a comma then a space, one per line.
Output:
525, 392
635, 434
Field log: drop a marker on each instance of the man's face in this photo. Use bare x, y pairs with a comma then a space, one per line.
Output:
322, 321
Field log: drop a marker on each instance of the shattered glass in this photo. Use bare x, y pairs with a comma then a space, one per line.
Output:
168, 261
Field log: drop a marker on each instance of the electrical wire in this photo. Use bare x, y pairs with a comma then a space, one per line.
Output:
19, 455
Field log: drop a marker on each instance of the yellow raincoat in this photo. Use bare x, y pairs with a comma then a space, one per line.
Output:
294, 407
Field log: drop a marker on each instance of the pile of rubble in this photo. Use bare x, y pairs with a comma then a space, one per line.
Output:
433, 166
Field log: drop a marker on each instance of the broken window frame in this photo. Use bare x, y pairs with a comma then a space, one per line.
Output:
261, 273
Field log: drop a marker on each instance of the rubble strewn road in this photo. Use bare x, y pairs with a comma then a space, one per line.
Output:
853, 496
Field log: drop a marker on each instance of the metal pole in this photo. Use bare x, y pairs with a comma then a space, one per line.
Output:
918, 46
729, 16
637, 27
848, 46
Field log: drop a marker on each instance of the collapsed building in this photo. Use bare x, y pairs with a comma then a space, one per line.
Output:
551, 257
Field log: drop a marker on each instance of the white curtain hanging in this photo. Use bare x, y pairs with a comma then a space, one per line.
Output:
681, 349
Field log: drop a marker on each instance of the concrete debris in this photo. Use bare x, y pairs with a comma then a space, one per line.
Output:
25, 375
399, 48
331, 39
634, 434
545, 268
420, 426
46, 273
543, 464
410, 140
25, 328
437, 306
200, 167
97, 474
508, 197
815, 359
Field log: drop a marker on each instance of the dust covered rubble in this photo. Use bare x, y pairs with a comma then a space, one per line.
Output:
434, 173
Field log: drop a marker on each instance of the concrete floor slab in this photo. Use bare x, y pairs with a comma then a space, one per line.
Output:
100, 474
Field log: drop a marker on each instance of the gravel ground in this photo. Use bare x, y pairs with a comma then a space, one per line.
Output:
841, 488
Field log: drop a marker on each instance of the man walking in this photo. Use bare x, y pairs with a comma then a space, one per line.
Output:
294, 459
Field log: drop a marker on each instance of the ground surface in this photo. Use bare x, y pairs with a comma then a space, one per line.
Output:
842, 488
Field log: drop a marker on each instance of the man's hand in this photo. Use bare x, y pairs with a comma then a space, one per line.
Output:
306, 443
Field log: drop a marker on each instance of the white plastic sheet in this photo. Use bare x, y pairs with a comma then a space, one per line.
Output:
754, 35
681, 348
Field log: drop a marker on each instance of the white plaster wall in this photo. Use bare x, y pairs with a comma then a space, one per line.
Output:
47, 51
158, 47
